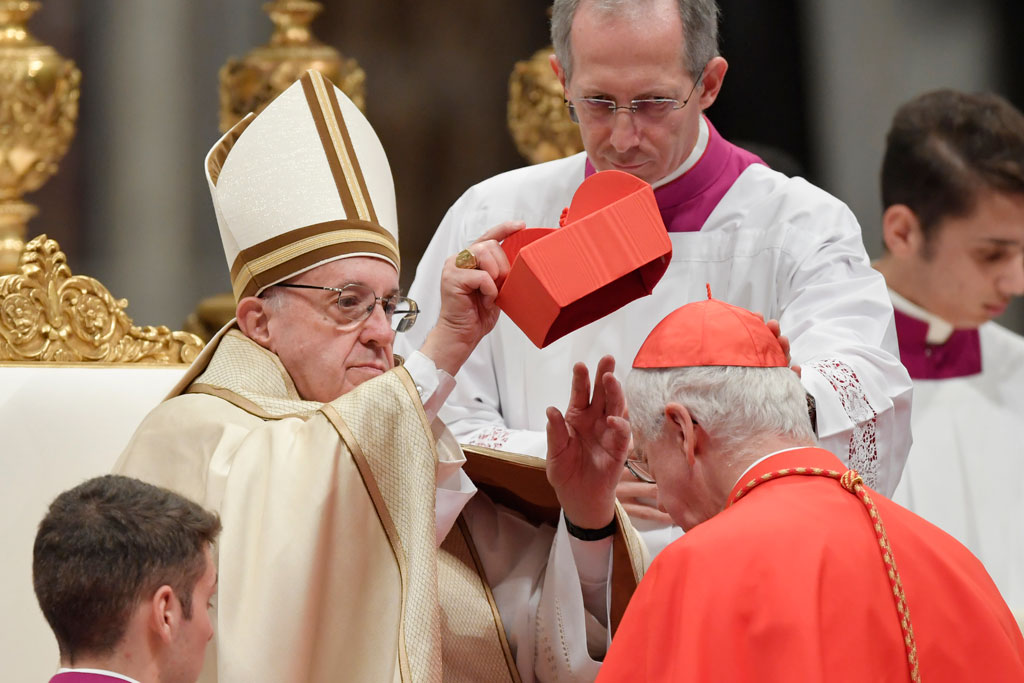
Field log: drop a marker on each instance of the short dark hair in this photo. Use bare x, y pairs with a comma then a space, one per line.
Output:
108, 544
945, 147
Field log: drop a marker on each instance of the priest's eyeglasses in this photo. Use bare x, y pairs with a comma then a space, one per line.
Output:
648, 110
601, 110
356, 302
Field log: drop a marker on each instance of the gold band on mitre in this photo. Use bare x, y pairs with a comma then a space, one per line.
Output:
296, 251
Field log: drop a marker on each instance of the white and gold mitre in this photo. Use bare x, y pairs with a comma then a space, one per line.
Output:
304, 183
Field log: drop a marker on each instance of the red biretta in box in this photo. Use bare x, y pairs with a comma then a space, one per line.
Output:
612, 248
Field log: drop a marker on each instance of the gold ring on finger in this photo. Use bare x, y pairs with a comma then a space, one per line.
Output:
465, 259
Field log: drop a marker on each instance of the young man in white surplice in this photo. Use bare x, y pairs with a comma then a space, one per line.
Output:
953, 192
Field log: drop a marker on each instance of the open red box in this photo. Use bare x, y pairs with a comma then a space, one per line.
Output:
613, 248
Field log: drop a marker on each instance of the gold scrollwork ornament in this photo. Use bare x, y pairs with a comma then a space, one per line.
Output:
537, 116
47, 314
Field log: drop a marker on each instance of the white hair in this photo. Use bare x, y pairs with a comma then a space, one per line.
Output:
272, 298
733, 405
700, 28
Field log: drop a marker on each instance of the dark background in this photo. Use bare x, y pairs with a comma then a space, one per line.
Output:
130, 204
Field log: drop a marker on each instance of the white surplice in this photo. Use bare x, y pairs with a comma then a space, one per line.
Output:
775, 245
965, 472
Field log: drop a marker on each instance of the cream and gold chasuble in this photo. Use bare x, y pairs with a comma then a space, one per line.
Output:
328, 564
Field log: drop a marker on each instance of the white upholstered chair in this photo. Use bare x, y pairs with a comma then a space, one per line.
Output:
76, 378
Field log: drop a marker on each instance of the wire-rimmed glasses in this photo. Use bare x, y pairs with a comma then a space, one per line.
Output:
647, 110
641, 470
600, 110
356, 302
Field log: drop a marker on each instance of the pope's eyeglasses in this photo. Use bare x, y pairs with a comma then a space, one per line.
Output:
356, 303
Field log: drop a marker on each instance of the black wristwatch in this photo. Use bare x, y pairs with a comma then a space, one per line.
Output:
589, 534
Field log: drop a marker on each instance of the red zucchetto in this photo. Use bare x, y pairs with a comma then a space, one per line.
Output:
710, 332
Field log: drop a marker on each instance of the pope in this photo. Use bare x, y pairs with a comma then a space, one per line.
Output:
357, 543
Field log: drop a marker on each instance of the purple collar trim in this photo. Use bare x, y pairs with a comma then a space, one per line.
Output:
958, 356
687, 201
84, 677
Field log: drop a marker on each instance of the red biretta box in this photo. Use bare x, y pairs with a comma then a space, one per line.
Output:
612, 248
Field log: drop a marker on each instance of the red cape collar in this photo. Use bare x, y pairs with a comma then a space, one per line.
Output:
799, 457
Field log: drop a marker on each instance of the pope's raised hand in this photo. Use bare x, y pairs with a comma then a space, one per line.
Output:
587, 447
468, 311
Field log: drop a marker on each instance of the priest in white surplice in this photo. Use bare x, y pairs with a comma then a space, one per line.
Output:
355, 546
953, 191
637, 78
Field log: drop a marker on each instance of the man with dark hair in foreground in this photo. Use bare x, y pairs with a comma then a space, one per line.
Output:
953, 193
124, 575
791, 568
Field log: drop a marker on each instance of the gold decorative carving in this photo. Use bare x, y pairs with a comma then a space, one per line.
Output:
249, 84
47, 314
38, 109
537, 116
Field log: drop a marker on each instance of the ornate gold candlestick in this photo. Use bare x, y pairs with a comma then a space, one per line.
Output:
537, 116
38, 109
249, 84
